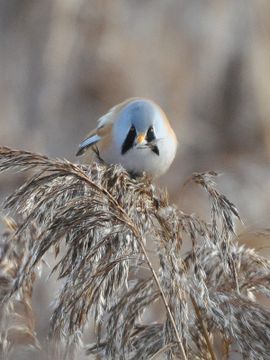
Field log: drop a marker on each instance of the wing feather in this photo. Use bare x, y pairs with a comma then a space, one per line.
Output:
88, 142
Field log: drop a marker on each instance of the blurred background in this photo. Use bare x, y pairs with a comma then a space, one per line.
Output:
64, 63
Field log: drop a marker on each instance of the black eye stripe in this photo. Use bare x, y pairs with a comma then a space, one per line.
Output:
150, 136
155, 149
129, 141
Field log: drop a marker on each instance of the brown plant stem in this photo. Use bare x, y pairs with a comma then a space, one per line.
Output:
226, 350
204, 330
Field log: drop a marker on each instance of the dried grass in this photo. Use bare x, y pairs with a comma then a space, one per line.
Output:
104, 219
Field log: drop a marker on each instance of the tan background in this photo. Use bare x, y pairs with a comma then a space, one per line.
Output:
64, 63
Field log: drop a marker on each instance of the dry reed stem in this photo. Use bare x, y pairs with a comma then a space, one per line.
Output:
204, 330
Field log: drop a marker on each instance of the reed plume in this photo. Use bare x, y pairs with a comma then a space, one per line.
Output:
100, 222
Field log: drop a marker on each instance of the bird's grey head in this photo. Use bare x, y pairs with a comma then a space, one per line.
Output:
140, 114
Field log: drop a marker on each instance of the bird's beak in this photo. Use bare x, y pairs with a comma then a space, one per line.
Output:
140, 138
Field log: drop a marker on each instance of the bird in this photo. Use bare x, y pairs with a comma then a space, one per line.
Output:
135, 134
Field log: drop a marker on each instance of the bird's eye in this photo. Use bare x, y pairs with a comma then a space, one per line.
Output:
132, 128
150, 136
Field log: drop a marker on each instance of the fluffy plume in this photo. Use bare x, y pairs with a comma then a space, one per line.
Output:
99, 221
